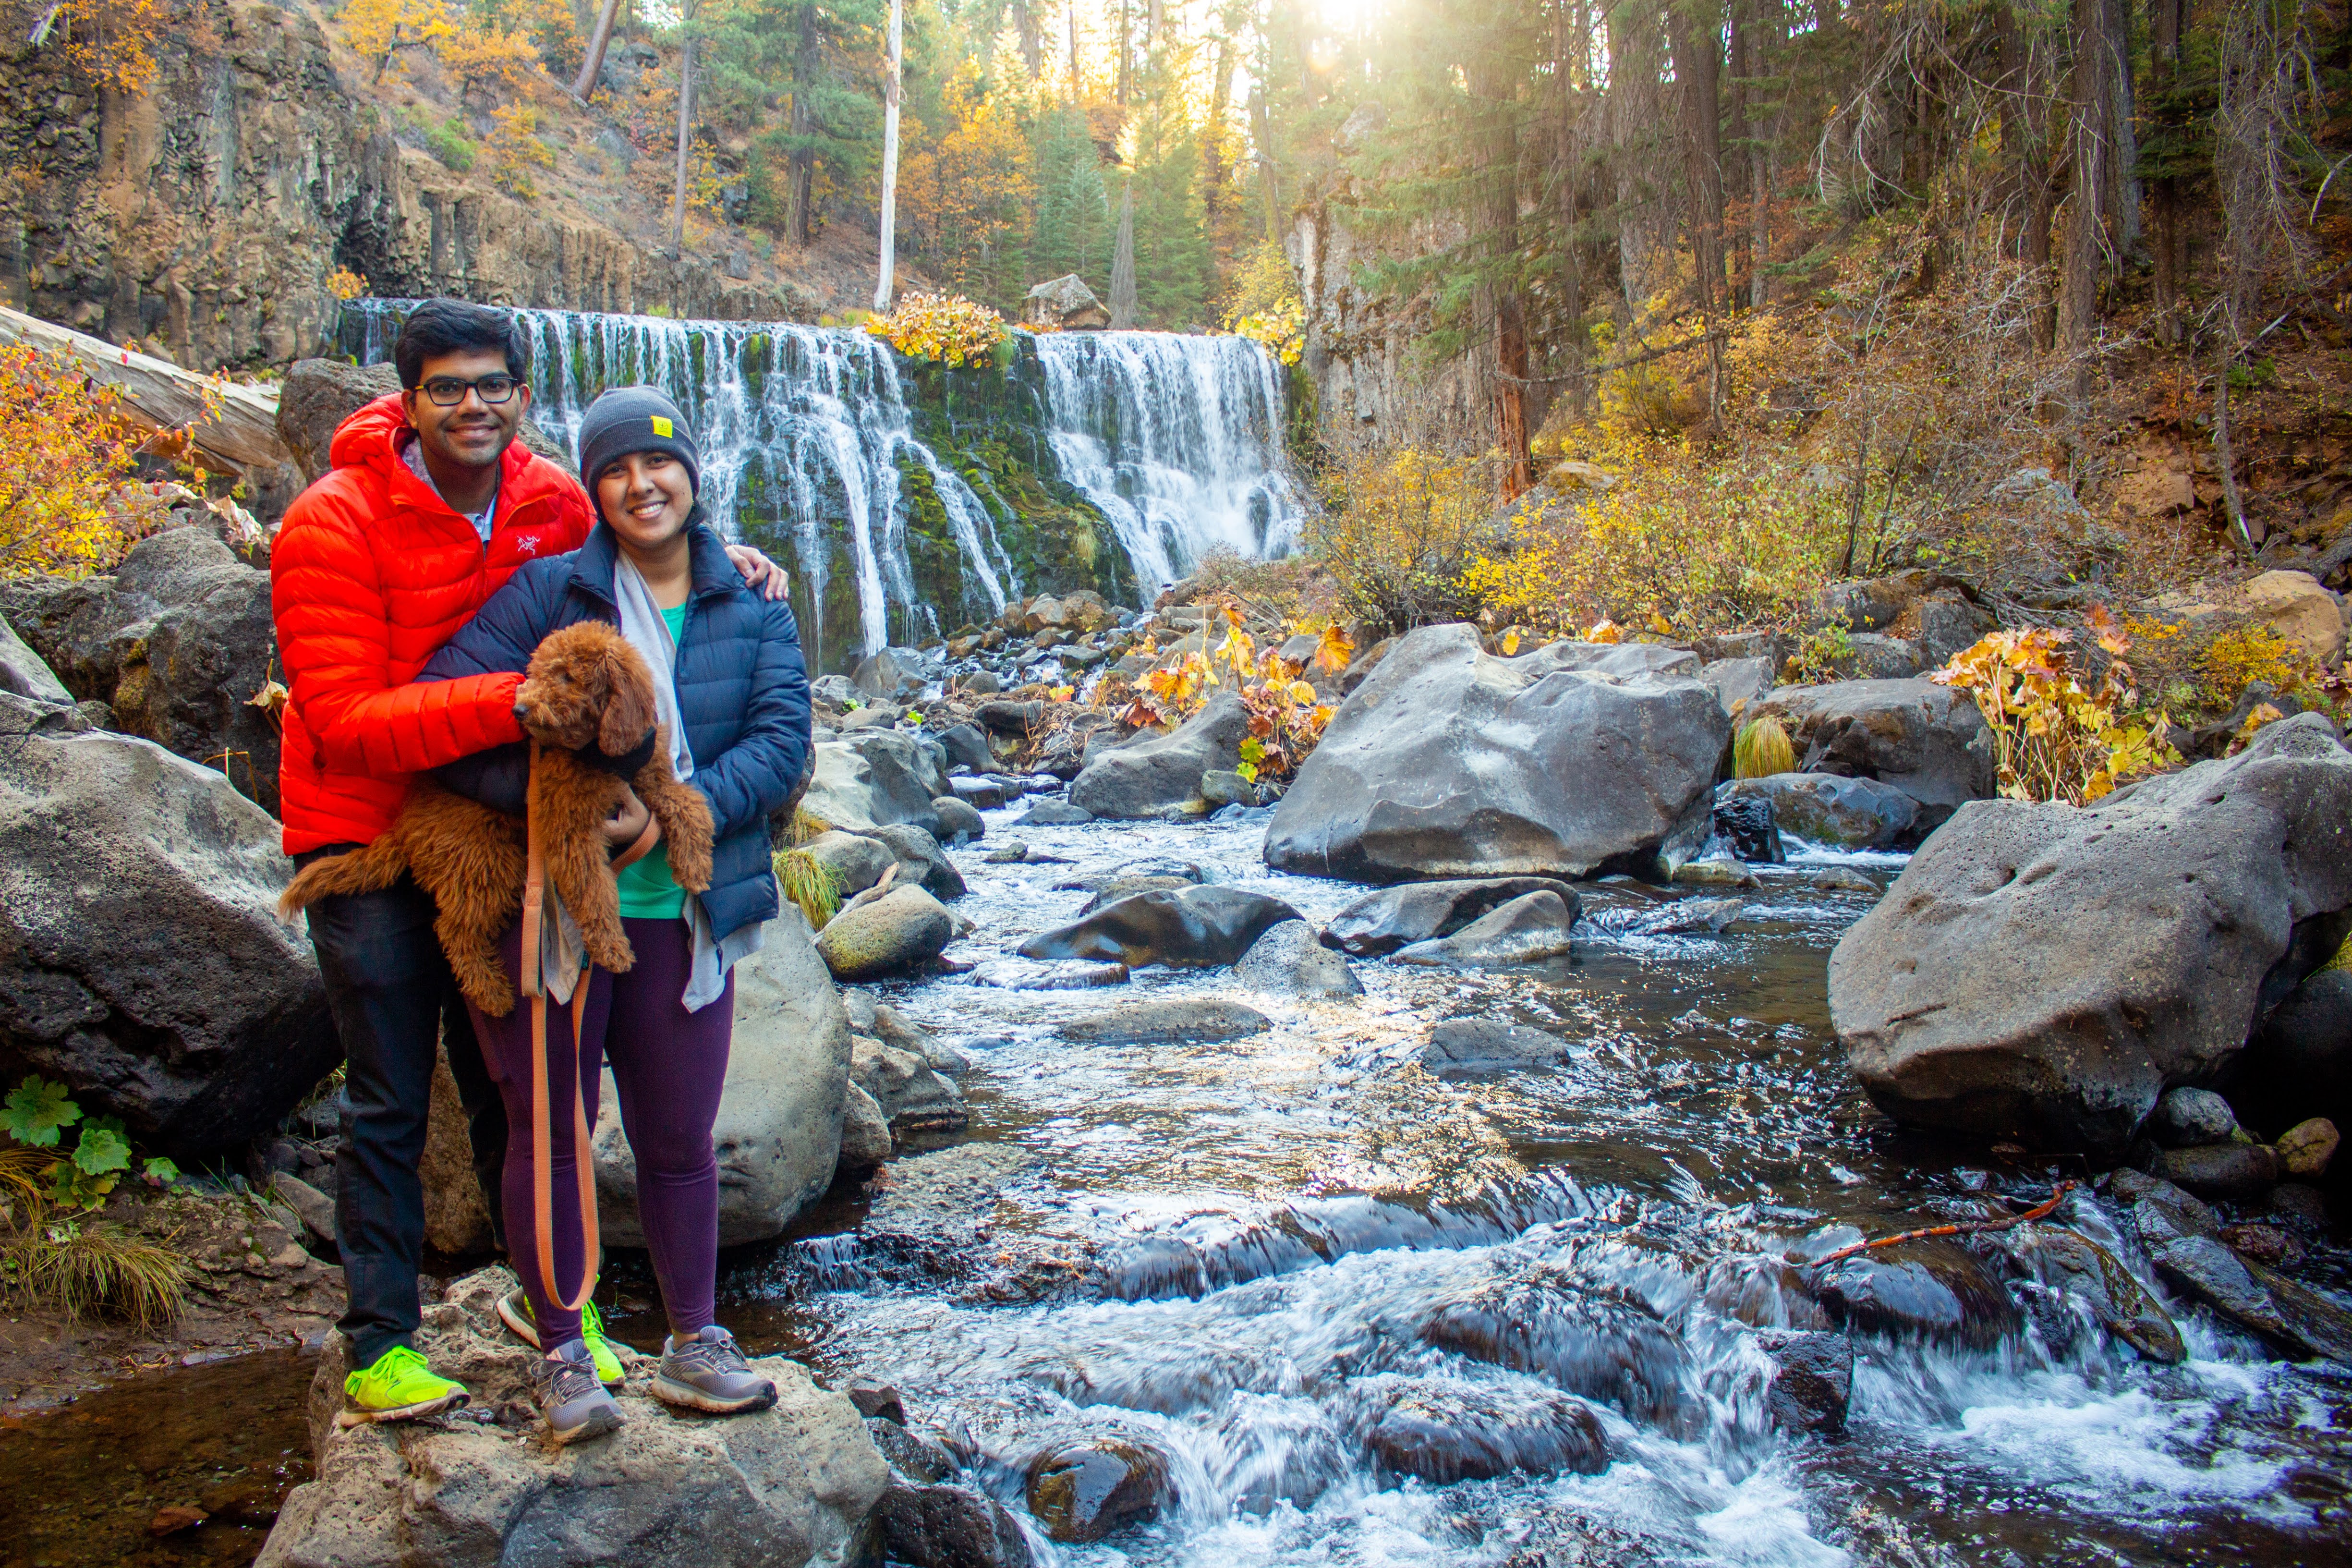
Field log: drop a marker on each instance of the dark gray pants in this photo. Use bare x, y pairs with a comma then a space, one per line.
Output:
393, 1000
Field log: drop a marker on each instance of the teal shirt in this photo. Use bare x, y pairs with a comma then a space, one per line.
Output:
648, 893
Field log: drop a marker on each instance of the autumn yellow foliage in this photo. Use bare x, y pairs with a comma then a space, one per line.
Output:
1287, 717
114, 40
1400, 528
2056, 736
68, 503
514, 150
946, 329
1263, 306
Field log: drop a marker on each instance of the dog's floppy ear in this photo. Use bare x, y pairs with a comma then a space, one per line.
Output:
628, 702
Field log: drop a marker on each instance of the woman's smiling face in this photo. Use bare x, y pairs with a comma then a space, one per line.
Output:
645, 498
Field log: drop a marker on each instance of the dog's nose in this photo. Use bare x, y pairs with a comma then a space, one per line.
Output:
522, 710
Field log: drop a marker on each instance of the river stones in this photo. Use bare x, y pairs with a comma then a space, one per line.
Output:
1842, 813
1379, 923
1145, 777
1189, 926
960, 821
1603, 1347
1487, 1045
1163, 871
1528, 929
1690, 917
870, 779
1746, 823
142, 960
1928, 1290
1055, 814
890, 936
2187, 1117
1738, 683
1812, 1381
2308, 1148
855, 861
921, 862
1289, 961
789, 1484
781, 1106
949, 1527
24, 673
1444, 1431
1449, 762
2297, 1321
1114, 888
966, 745
2221, 1173
2299, 1063
865, 1140
1082, 1487
1925, 739
1033, 974
1180, 1022
2068, 1261
913, 1099
1970, 999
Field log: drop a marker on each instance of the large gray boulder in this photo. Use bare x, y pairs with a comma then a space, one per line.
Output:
778, 1135
1832, 810
797, 1483
2044, 973
142, 960
1381, 922
872, 779
1146, 777
179, 640
1200, 927
1927, 741
888, 935
24, 673
1451, 762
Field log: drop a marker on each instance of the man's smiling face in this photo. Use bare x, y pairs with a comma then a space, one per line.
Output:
471, 434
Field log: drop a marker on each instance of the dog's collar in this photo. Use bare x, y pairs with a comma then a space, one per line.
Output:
625, 764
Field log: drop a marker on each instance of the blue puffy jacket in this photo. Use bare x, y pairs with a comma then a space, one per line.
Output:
742, 690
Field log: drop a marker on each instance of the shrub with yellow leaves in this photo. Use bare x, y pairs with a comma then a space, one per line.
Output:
514, 150
1287, 717
2055, 738
345, 284
69, 447
1401, 529
945, 329
1263, 305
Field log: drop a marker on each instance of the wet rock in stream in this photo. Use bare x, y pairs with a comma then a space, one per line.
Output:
2086, 1272
912, 1098
1442, 1431
1812, 1381
2221, 1173
1602, 1346
1528, 929
1379, 923
1191, 927
1114, 888
1289, 961
1082, 1488
1488, 1045
1182, 1021
2296, 1320
1920, 1291
949, 1527
890, 936
1035, 975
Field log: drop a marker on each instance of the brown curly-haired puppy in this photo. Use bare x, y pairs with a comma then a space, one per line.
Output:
588, 701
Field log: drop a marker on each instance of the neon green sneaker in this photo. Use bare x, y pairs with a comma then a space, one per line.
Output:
514, 1311
398, 1387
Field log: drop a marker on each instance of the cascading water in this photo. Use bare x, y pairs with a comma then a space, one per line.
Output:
1178, 439
911, 500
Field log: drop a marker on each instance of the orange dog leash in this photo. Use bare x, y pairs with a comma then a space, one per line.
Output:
542, 1170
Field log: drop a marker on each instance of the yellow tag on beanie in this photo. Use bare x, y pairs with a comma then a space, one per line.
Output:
661, 425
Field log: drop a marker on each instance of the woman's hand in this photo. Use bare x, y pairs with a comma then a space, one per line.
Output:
622, 828
760, 573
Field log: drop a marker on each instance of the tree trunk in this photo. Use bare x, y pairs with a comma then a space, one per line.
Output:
2086, 235
1696, 30
685, 140
1262, 133
1498, 295
2025, 142
799, 221
598, 42
1644, 240
882, 284
2165, 21
1125, 10
1033, 37
1122, 264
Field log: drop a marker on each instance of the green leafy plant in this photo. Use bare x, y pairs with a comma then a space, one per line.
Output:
48, 1249
78, 1176
1822, 656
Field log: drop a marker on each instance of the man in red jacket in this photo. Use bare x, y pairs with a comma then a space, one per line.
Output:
429, 506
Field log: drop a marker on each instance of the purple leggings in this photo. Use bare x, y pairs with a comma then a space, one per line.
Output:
670, 1066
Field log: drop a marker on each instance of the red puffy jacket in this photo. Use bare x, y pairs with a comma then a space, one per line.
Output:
371, 573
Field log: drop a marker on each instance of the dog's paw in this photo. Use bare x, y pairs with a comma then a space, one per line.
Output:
614, 955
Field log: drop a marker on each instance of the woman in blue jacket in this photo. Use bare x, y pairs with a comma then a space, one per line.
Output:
728, 667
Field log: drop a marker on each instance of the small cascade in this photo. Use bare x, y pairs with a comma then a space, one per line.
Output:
1178, 439
909, 499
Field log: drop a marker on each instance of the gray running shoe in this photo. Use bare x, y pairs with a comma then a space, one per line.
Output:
570, 1396
708, 1373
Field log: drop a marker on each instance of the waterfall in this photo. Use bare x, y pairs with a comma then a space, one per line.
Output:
1177, 440
911, 500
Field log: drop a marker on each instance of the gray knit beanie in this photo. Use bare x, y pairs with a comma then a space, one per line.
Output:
625, 419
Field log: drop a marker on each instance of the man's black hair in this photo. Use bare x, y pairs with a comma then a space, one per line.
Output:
440, 327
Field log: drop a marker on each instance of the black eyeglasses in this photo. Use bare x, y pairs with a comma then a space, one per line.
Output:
447, 391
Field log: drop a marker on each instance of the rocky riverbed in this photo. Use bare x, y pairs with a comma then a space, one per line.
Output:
1486, 1265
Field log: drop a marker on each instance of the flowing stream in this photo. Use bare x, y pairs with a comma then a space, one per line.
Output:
1227, 1252
811, 435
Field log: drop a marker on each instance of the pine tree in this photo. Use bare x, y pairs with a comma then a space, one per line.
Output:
1172, 271
1122, 265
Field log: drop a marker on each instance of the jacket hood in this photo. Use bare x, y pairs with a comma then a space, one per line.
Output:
371, 438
